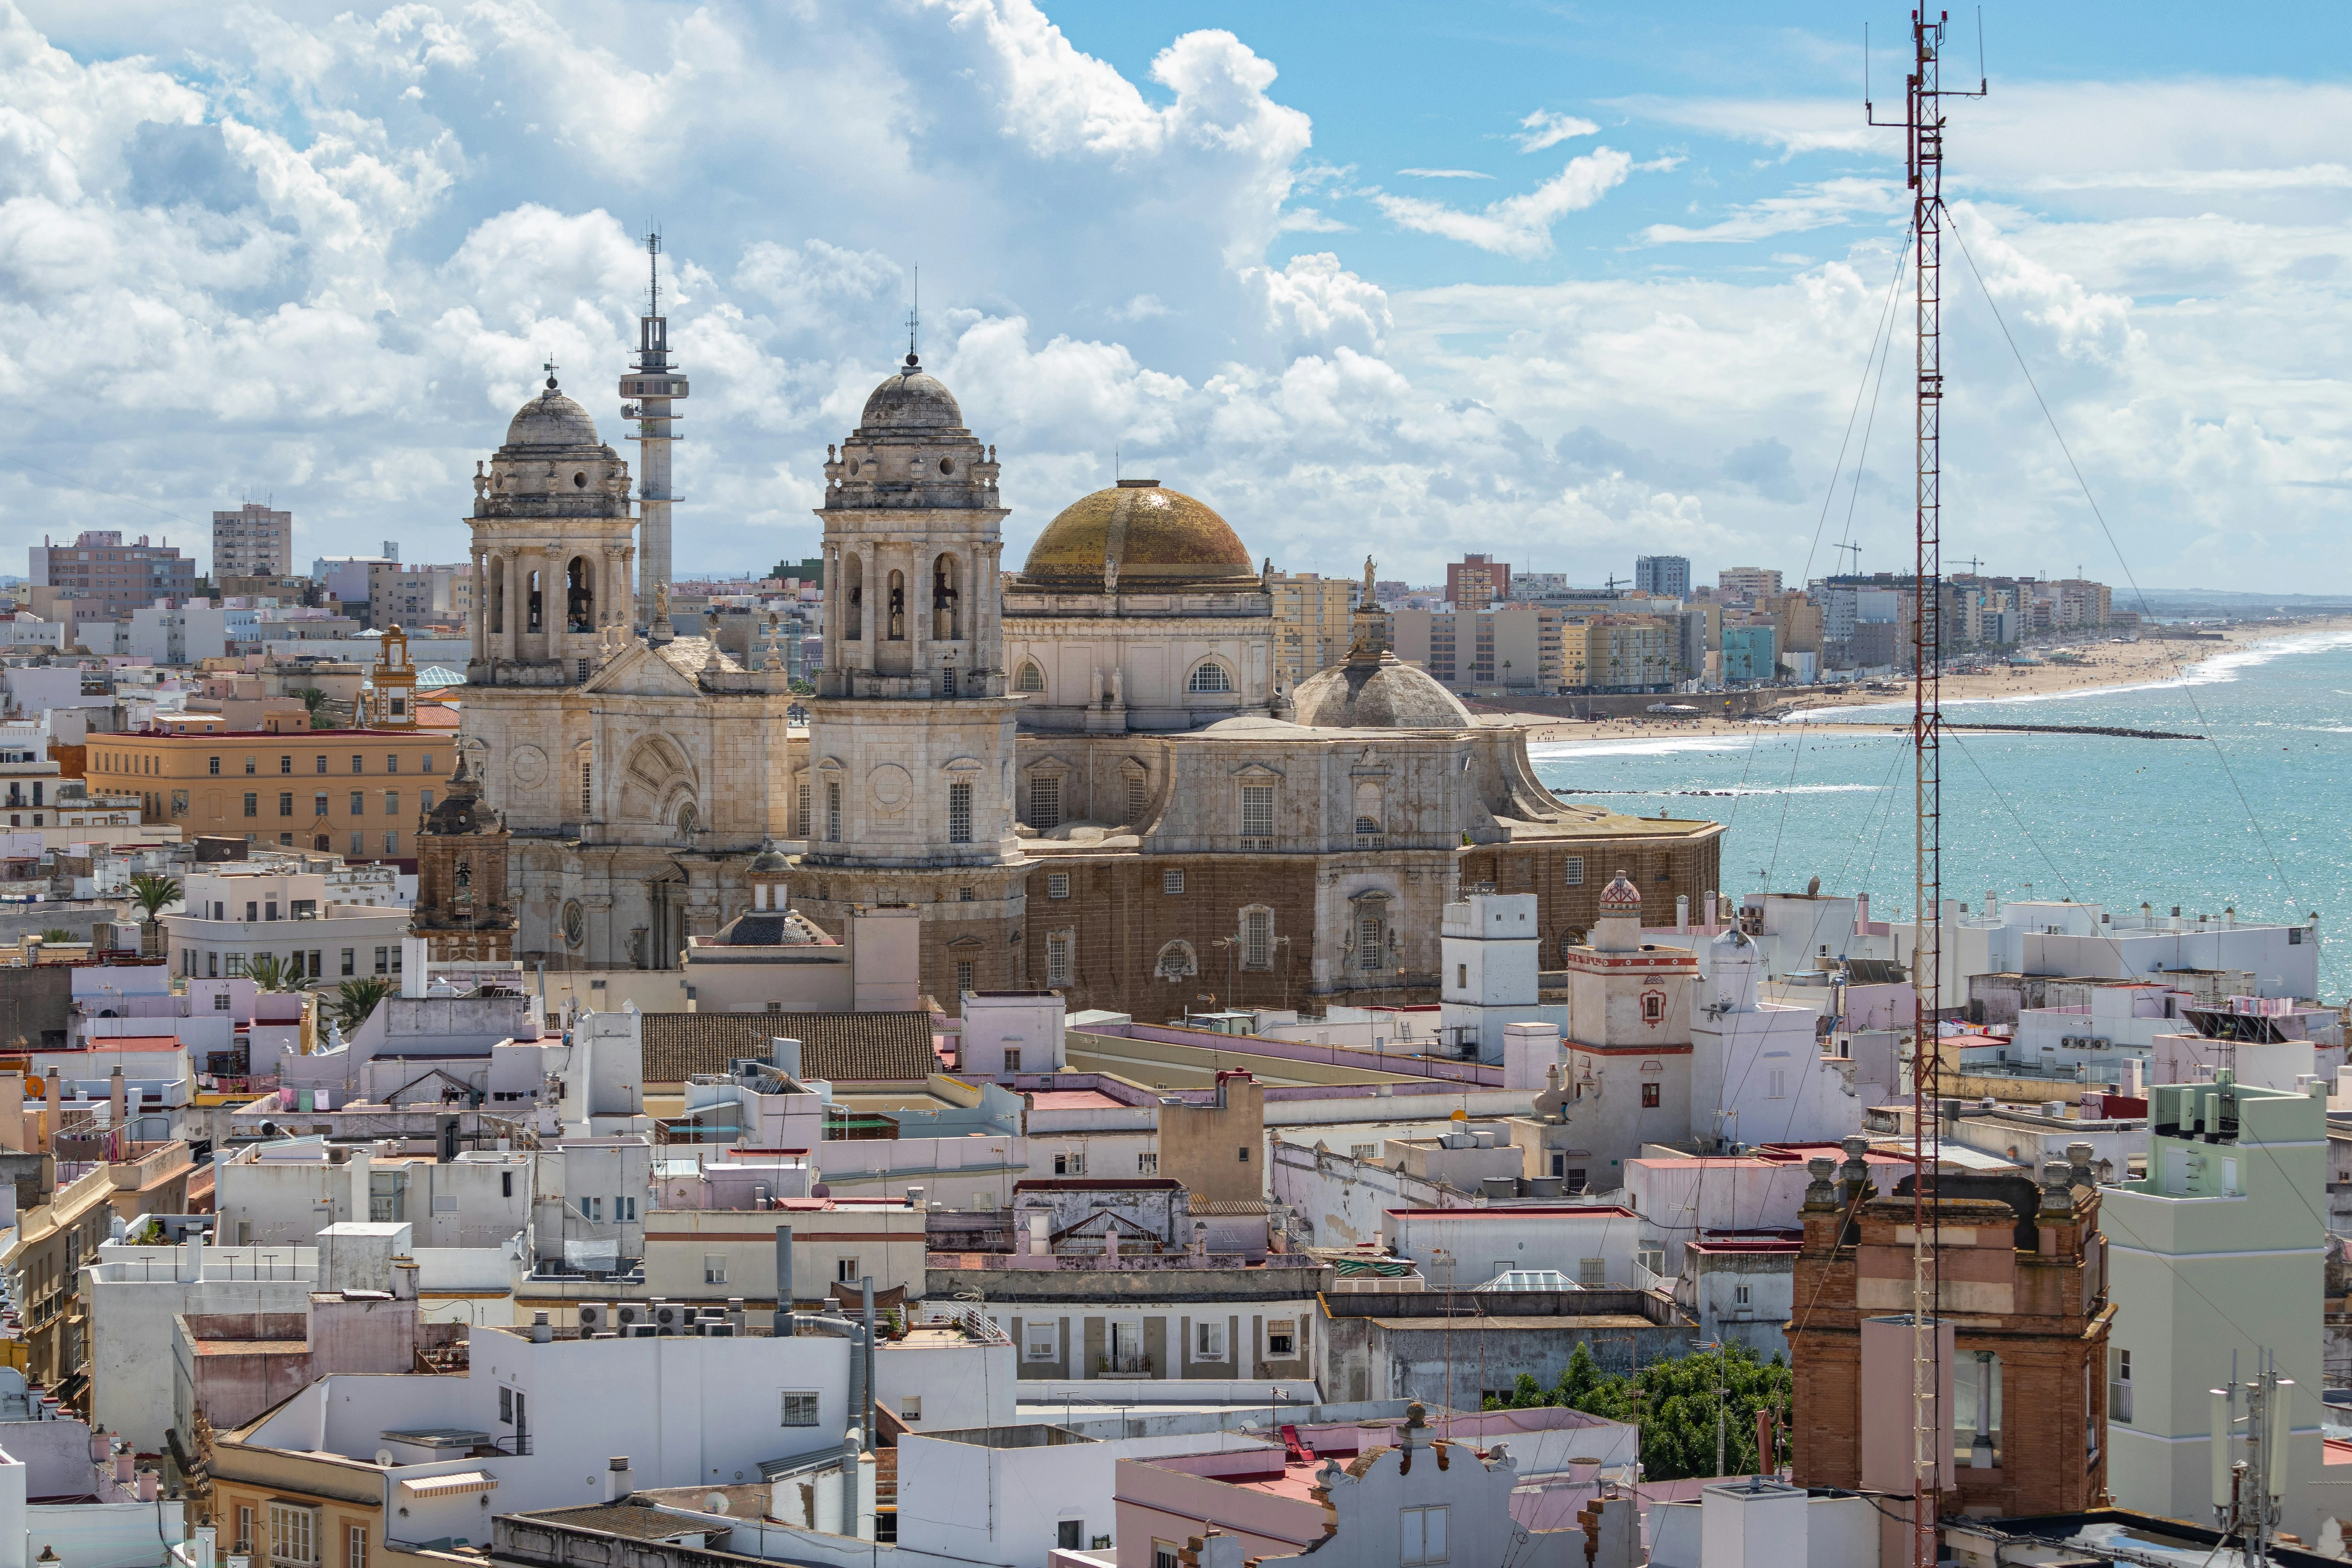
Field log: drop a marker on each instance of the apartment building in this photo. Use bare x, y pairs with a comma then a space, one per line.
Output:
1623, 653
1312, 619
104, 576
234, 916
252, 542
1476, 582
1663, 577
1748, 582
358, 793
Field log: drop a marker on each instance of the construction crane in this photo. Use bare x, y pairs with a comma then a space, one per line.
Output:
1922, 125
1856, 549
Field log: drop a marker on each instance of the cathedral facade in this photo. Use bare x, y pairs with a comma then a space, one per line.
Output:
1087, 775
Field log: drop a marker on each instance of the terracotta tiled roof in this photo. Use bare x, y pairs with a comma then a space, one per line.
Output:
836, 1047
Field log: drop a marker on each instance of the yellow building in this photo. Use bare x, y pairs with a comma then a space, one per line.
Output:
359, 793
1620, 653
1311, 620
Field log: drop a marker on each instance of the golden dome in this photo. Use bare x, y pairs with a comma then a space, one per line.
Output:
1159, 539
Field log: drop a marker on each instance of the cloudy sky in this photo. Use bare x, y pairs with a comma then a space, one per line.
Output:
1564, 283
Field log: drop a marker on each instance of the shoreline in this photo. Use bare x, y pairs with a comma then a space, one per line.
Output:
2102, 666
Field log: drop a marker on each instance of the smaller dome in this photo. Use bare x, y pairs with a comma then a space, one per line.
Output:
1621, 895
770, 858
1383, 694
911, 400
551, 419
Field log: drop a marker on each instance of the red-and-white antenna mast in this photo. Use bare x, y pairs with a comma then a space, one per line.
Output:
1922, 128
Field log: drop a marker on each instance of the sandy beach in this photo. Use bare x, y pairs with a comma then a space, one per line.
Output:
2066, 669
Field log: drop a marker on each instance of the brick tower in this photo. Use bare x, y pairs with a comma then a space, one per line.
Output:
462, 908
2025, 1316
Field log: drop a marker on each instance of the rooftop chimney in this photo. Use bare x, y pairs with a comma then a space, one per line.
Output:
616, 1479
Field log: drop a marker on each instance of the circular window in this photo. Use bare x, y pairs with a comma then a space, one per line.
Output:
946, 467
580, 481
575, 923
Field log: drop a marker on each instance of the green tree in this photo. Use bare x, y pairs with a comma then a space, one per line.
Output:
151, 890
272, 972
352, 1002
59, 933
1675, 1403
314, 702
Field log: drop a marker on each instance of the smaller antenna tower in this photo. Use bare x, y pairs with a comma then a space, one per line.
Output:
914, 314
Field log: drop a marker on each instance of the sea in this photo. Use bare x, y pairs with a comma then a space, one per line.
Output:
2255, 815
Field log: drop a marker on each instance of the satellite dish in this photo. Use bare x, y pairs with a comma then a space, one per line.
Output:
384, 1457
715, 1503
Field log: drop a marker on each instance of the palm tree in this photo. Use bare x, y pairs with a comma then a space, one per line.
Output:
59, 933
272, 972
151, 890
354, 1000
314, 702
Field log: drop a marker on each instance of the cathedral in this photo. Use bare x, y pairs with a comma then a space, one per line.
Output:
1086, 773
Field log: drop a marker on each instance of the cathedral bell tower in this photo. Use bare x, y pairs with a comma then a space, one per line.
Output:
552, 549
910, 746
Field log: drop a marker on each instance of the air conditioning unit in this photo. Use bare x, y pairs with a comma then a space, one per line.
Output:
592, 1318
629, 1316
667, 1316
643, 1330
717, 1329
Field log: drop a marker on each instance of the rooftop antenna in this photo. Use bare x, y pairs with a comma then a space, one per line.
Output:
914, 314
653, 264
1923, 132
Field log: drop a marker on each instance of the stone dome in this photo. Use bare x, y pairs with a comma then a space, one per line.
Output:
1383, 694
911, 399
770, 858
551, 419
1159, 539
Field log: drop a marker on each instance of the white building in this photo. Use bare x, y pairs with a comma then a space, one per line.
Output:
2218, 1254
230, 917
1757, 1073
1488, 945
1593, 1245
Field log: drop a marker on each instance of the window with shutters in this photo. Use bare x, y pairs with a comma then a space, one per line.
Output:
588, 789
1208, 1341
293, 1534
963, 975
355, 1547
2119, 1385
1057, 884
1257, 939
252, 804
800, 811
959, 814
1371, 937
833, 812
1591, 1272
1572, 871
1044, 804
1423, 1537
714, 1268
1257, 811
1171, 881
1057, 957
1138, 796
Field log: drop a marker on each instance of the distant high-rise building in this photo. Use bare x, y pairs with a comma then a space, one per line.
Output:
108, 577
1312, 617
1665, 576
1748, 582
252, 542
1476, 582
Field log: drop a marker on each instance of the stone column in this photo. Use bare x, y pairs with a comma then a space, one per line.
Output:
481, 605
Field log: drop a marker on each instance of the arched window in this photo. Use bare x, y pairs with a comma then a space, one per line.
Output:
578, 596
689, 821
1210, 676
853, 584
497, 595
1368, 807
947, 600
894, 629
1031, 678
1176, 961
535, 604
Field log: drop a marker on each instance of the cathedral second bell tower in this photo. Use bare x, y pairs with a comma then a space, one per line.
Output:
911, 748
551, 548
